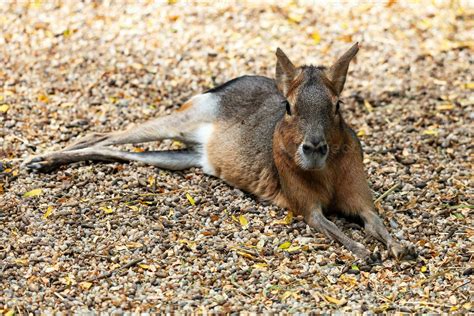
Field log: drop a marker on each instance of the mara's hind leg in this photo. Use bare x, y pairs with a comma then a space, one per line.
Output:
180, 125
171, 160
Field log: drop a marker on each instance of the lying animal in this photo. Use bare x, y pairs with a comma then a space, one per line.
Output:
284, 140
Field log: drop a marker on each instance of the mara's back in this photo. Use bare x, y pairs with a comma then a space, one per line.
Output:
240, 149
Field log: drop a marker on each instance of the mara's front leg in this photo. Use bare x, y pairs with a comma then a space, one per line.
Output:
316, 219
355, 199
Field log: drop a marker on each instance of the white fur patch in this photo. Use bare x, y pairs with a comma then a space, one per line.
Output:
203, 134
206, 104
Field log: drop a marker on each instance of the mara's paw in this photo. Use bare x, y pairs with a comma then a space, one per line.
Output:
401, 253
42, 163
374, 258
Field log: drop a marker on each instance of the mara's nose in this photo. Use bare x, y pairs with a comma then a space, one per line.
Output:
320, 148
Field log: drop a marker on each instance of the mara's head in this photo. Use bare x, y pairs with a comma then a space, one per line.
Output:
312, 125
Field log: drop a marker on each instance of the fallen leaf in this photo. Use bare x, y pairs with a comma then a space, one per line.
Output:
355, 267
245, 254
285, 245
286, 220
144, 266
468, 85
133, 244
106, 209
445, 107
23, 262
287, 294
85, 285
361, 133
295, 17
190, 199
334, 300
243, 221
293, 248
4, 108
10, 312
316, 37
423, 269
34, 192
261, 244
368, 106
43, 98
260, 266
48, 212
431, 131
133, 208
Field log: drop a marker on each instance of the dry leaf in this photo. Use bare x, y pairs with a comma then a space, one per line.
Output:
285, 221
361, 133
316, 37
106, 209
468, 85
243, 221
43, 98
260, 266
133, 208
4, 108
285, 245
85, 285
190, 199
34, 192
245, 254
431, 131
48, 212
444, 107
368, 106
23, 262
334, 300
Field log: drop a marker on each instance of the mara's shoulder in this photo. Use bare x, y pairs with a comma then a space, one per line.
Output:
247, 82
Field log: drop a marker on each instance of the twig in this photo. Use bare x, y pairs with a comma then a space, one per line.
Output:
387, 193
125, 266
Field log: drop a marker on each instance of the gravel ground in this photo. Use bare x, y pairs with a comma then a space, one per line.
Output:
128, 237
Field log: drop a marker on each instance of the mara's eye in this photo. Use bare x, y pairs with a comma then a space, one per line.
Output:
287, 105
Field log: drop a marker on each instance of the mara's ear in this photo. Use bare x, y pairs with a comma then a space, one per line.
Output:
285, 72
338, 71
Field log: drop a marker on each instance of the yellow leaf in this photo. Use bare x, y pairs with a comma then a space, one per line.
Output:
293, 248
468, 85
43, 98
23, 262
334, 300
144, 266
285, 245
11, 312
48, 212
151, 180
368, 106
295, 17
245, 254
189, 243
133, 208
133, 244
423, 269
454, 308
106, 209
361, 133
4, 108
260, 266
34, 192
316, 37
190, 199
431, 131
243, 221
285, 221
446, 106
287, 294
85, 285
